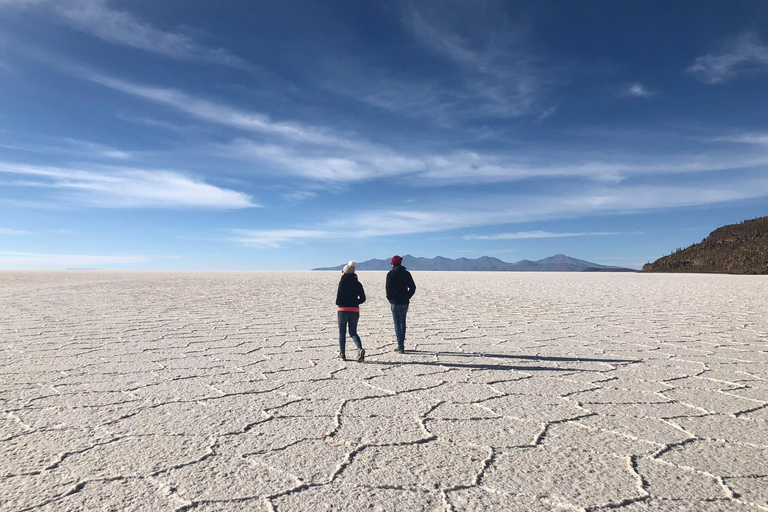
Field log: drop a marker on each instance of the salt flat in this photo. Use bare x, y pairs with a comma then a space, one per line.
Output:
523, 391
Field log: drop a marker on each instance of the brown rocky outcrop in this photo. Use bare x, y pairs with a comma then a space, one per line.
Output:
732, 249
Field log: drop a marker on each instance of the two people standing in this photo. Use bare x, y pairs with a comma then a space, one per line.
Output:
350, 294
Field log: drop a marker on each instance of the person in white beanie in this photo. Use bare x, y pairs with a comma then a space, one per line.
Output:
349, 296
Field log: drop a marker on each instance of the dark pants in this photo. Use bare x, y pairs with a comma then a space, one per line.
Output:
398, 315
351, 318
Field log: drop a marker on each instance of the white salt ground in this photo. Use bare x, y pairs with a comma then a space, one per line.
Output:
179, 391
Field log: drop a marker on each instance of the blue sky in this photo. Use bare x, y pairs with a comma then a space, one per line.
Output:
294, 134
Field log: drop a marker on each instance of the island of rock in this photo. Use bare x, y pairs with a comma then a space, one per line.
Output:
732, 249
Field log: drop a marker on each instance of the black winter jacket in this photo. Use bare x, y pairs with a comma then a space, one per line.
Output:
350, 293
400, 285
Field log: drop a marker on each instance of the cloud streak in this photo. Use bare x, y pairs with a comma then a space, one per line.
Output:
118, 187
74, 147
742, 54
325, 155
636, 90
373, 162
25, 260
501, 210
501, 74
13, 232
759, 138
525, 235
276, 237
225, 115
97, 18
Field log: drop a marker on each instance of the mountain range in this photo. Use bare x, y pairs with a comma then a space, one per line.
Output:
732, 249
556, 263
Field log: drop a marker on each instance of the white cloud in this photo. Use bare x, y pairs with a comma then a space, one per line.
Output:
487, 67
372, 162
331, 165
29, 260
97, 18
6, 231
69, 146
225, 115
637, 90
499, 210
502, 77
276, 237
99, 150
744, 138
522, 235
744, 53
298, 196
119, 187
414, 97
22, 3
325, 155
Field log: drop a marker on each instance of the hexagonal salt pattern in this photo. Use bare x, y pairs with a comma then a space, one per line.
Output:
519, 391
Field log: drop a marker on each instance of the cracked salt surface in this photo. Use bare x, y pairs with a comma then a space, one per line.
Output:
210, 392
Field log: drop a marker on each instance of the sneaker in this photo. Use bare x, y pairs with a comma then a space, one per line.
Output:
342, 356
400, 351
361, 356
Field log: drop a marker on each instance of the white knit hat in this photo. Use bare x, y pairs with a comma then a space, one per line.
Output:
349, 268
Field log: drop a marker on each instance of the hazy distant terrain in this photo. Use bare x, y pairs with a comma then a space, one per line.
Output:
557, 263
522, 391
732, 249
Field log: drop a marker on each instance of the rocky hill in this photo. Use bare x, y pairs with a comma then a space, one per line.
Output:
733, 249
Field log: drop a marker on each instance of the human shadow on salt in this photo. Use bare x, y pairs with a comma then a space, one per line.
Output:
524, 357
478, 366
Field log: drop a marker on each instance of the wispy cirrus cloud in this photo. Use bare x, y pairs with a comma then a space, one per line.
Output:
120, 187
370, 223
323, 154
22, 3
744, 138
69, 146
299, 195
13, 232
744, 53
486, 66
274, 238
225, 115
511, 209
32, 260
372, 162
99, 19
413, 97
501, 74
524, 235
330, 165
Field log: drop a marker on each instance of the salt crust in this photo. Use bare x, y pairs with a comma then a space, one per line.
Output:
521, 391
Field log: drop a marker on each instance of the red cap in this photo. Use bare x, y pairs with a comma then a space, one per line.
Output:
396, 260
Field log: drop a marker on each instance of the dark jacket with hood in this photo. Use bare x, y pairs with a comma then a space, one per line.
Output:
400, 285
350, 293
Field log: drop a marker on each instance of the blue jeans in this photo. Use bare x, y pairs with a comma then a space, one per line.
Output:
348, 318
398, 315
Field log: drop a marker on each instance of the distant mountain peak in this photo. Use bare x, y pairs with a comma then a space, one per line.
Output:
556, 263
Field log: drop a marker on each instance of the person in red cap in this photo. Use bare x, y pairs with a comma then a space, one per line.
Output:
400, 289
